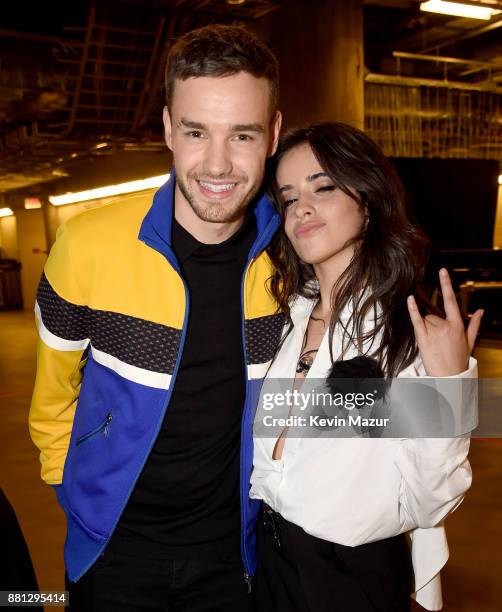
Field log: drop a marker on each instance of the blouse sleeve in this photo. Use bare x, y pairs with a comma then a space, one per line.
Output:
435, 471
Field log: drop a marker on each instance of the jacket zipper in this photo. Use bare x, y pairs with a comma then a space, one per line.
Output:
244, 487
244, 501
104, 427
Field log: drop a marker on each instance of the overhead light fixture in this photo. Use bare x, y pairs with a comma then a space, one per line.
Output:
101, 145
59, 172
6, 212
235, 2
109, 190
32, 203
458, 9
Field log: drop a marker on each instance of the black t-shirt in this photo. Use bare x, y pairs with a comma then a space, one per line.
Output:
186, 501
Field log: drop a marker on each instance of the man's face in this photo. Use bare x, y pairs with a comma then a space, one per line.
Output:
220, 131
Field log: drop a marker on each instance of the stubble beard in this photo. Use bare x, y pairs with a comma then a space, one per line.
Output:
218, 211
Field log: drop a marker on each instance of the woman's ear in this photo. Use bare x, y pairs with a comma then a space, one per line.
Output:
364, 205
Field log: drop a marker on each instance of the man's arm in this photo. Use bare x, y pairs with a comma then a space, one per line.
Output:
62, 324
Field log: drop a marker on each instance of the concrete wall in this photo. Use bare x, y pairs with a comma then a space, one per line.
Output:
319, 45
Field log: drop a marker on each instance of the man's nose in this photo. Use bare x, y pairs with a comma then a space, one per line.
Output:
218, 159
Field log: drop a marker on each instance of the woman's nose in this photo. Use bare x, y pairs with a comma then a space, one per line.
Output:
303, 207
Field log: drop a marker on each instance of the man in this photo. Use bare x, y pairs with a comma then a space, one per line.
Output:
156, 327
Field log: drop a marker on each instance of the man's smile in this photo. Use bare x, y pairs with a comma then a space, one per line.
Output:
216, 190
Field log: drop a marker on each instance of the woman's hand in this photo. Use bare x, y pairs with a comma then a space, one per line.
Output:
444, 344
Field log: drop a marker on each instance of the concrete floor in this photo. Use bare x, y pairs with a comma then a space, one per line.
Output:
471, 579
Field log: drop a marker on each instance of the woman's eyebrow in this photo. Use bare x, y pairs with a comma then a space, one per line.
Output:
313, 177
310, 178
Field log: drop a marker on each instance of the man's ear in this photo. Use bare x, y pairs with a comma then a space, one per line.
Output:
275, 130
168, 129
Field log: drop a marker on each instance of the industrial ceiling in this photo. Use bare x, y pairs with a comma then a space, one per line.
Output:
80, 79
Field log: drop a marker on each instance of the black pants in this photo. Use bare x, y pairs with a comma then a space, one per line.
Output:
121, 583
300, 573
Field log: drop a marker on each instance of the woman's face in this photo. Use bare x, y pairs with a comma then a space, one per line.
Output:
320, 220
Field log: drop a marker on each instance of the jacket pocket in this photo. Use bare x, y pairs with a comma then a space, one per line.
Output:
103, 428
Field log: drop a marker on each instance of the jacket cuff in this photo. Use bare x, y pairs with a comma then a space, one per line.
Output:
58, 488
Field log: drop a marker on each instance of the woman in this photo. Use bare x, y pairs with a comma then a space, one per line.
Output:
349, 269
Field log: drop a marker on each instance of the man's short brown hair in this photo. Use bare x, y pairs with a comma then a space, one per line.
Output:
218, 51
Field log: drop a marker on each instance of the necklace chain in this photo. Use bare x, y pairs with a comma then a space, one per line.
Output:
306, 358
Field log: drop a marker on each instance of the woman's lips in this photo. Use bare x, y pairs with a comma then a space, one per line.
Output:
308, 228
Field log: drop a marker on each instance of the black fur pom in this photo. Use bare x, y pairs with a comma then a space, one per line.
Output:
361, 369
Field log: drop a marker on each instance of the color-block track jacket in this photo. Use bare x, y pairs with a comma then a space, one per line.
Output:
112, 311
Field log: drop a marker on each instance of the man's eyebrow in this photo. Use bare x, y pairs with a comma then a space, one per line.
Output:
238, 127
248, 127
194, 125
313, 177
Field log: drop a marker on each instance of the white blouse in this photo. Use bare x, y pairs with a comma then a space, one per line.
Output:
357, 490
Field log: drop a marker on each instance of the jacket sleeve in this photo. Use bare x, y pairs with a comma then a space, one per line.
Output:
62, 324
435, 471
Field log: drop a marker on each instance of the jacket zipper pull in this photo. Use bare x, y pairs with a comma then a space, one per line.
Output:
248, 580
107, 424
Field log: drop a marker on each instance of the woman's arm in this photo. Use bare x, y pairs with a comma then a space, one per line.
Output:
435, 478
436, 472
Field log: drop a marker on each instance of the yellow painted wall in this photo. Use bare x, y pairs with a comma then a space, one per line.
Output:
8, 238
32, 252
497, 233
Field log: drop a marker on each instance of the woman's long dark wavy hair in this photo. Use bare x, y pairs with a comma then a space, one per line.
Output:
390, 254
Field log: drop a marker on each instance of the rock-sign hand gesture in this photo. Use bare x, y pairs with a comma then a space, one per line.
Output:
444, 344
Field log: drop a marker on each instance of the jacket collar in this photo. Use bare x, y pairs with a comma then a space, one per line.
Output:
156, 228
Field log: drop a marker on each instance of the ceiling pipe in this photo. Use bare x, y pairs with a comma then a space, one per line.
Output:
496, 22
446, 60
391, 79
